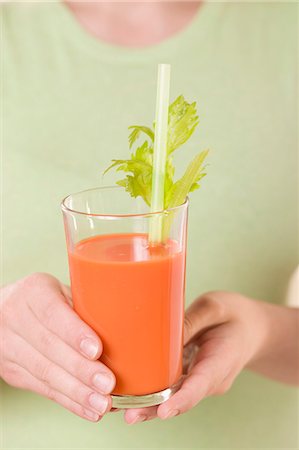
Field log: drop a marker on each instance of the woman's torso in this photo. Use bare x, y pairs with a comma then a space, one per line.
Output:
67, 103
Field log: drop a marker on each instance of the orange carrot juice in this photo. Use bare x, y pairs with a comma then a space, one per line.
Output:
132, 295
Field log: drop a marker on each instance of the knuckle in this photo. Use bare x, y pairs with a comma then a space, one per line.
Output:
49, 314
49, 393
33, 280
73, 326
43, 370
38, 282
36, 276
10, 374
81, 368
214, 304
79, 393
47, 339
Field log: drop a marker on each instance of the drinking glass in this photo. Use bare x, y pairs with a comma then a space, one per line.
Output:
129, 290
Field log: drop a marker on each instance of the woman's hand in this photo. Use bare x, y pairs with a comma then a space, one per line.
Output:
225, 332
48, 349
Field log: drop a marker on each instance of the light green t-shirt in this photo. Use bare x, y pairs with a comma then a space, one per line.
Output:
68, 99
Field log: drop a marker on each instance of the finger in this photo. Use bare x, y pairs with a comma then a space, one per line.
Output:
136, 415
91, 373
21, 378
190, 354
204, 379
194, 389
202, 314
57, 378
66, 290
53, 311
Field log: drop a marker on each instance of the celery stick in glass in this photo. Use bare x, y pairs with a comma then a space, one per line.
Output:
138, 169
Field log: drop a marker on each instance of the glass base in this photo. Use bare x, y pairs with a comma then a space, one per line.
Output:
142, 401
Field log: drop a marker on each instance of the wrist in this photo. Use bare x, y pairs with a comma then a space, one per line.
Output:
260, 333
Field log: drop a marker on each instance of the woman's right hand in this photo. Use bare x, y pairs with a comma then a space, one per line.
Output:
48, 349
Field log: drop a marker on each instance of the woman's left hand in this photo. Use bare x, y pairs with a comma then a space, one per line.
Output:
218, 343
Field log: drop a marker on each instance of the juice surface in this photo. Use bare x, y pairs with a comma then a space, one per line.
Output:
133, 297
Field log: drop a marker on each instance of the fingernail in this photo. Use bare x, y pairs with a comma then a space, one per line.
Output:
172, 413
91, 415
139, 418
103, 382
98, 402
89, 347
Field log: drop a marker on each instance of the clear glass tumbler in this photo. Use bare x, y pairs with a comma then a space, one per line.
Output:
129, 291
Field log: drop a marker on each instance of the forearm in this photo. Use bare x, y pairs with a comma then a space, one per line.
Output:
277, 356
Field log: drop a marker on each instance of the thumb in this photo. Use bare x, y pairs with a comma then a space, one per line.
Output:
204, 313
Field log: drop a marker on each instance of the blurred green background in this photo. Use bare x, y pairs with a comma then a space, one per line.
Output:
68, 100
255, 414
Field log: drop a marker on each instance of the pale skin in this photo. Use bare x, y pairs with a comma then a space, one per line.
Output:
225, 333
48, 349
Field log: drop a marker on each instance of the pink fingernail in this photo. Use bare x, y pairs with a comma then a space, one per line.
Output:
98, 402
139, 418
89, 348
172, 413
91, 415
104, 382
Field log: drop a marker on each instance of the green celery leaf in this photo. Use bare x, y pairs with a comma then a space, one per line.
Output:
189, 180
138, 182
182, 121
135, 133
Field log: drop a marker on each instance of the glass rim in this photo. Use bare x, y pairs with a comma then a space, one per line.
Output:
66, 209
